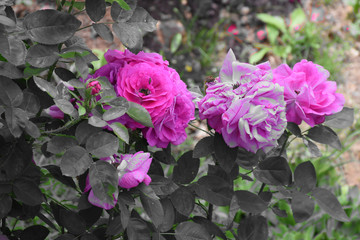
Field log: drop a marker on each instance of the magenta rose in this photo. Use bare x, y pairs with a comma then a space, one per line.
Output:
55, 112
146, 79
132, 170
95, 87
309, 96
245, 105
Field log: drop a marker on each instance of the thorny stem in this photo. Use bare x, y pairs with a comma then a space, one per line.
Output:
63, 128
262, 188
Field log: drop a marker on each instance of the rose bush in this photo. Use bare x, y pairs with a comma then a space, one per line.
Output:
309, 96
245, 105
146, 79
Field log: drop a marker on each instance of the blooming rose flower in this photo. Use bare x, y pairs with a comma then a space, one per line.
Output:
95, 87
245, 105
132, 170
308, 94
146, 79
54, 112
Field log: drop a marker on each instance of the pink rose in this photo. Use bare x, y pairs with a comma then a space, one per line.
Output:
308, 94
54, 112
146, 79
132, 170
95, 87
261, 35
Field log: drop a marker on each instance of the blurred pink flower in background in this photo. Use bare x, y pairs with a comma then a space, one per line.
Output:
232, 29
261, 35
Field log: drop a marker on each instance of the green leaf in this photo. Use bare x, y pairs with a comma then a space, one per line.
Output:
191, 231
313, 148
328, 202
46, 86
42, 56
76, 83
5, 205
55, 171
104, 181
250, 202
30, 103
81, 66
124, 5
28, 192
143, 20
102, 144
138, 229
253, 228
294, 129
114, 112
274, 171
342, 119
305, 176
183, 201
275, 21
129, 34
325, 135
13, 49
84, 131
297, 18
153, 208
50, 26
204, 147
10, 92
224, 155
13, 122
7, 21
121, 131
120, 14
210, 227
104, 31
214, 190
175, 42
35, 232
72, 221
272, 34
97, 122
256, 57
302, 206
32, 129
10, 70
64, 74
139, 114
59, 144
186, 169
66, 107
168, 219
75, 161
95, 9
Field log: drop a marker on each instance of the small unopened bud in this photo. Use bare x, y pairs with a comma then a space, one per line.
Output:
95, 87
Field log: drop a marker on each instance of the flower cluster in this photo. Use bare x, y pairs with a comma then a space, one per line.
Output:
309, 96
132, 170
146, 79
245, 105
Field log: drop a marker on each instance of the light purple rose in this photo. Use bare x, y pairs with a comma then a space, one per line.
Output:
308, 94
146, 79
245, 105
132, 170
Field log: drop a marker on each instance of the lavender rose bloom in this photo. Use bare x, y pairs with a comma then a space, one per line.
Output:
132, 170
146, 79
245, 105
309, 96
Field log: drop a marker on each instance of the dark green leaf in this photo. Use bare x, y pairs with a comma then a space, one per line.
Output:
35, 232
124, 213
250, 202
183, 201
224, 155
12, 121
266, 196
121, 131
76, 83
313, 148
279, 212
7, 21
186, 169
66, 107
191, 231
45, 86
294, 129
81, 66
257, 56
168, 220
28, 192
10, 92
129, 34
121, 14
96, 9
274, 171
162, 186
9, 70
139, 114
42, 56
103, 31
13, 49
325, 135
305, 176
32, 129
50, 26
214, 190
249, 160
342, 119
210, 227
59, 144
253, 228
75, 161
137, 229
302, 206
204, 147
114, 112
143, 20
91, 215
64, 74
102, 144
164, 157
30, 103
97, 122
5, 205
114, 226
83, 132
153, 208
328, 202
66, 236
104, 181
56, 173
72, 221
